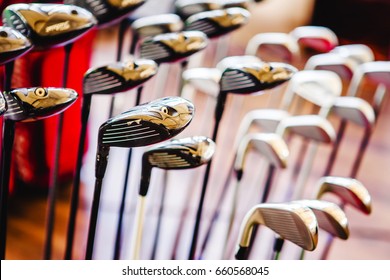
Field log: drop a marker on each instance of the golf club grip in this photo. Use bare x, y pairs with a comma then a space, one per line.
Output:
76, 179
242, 253
8, 140
93, 218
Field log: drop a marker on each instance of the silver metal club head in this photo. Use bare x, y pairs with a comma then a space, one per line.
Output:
49, 25
330, 217
218, 22
30, 104
349, 190
12, 44
118, 77
157, 24
318, 38
292, 221
172, 47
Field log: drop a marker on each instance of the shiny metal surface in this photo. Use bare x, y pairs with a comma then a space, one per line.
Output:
157, 24
12, 44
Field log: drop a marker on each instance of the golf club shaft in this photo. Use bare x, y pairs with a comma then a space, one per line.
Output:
139, 222
118, 236
74, 202
362, 148
6, 156
335, 148
53, 188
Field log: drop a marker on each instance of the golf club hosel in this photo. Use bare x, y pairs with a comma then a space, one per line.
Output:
145, 177
241, 253
101, 161
278, 244
85, 108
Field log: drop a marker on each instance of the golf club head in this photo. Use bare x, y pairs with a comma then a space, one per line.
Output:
254, 77
235, 4
231, 61
313, 127
147, 124
31, 104
358, 52
349, 190
186, 8
119, 76
172, 47
292, 221
157, 24
273, 46
270, 145
319, 87
13, 44
318, 38
108, 12
218, 22
185, 153
343, 66
204, 79
329, 216
354, 109
49, 25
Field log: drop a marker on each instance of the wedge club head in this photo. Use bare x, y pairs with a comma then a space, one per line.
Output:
172, 47
292, 221
119, 76
108, 12
319, 38
358, 52
184, 153
13, 44
349, 190
49, 25
30, 104
218, 22
329, 216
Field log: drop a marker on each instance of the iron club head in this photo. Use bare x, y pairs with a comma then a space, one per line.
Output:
30, 104
13, 44
157, 24
48, 25
292, 221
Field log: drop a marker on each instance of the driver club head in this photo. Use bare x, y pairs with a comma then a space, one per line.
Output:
172, 47
48, 25
329, 216
254, 77
119, 76
147, 124
349, 190
108, 12
185, 153
312, 127
318, 38
13, 44
218, 22
292, 221
157, 24
270, 145
30, 104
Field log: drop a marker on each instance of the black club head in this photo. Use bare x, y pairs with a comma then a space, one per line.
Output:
108, 12
253, 77
218, 22
3, 105
171, 47
48, 25
30, 104
118, 77
12, 44
147, 124
185, 153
